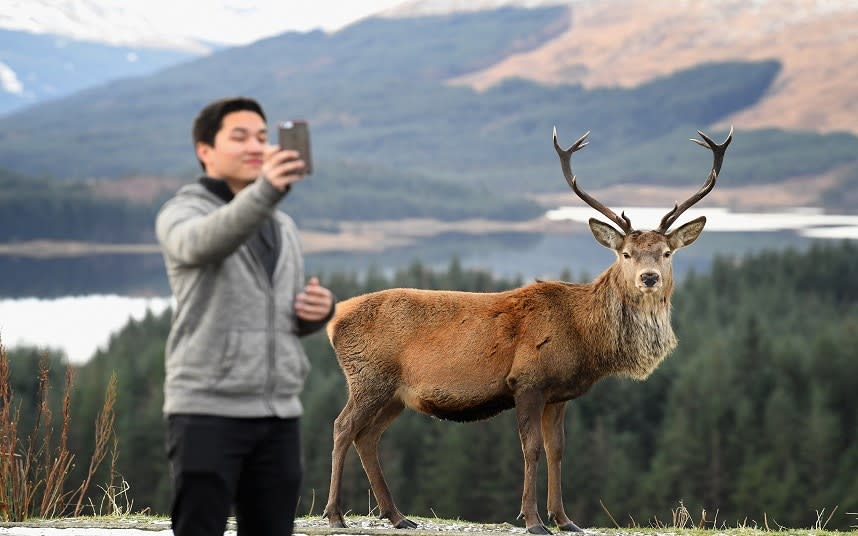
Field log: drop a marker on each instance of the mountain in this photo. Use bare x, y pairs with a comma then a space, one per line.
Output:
401, 94
421, 8
128, 23
625, 43
332, 79
39, 67
53, 48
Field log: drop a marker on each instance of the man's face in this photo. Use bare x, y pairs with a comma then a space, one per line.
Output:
237, 153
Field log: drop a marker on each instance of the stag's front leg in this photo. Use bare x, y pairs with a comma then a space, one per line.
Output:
529, 407
554, 440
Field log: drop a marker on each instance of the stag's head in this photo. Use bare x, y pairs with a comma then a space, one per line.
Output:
645, 257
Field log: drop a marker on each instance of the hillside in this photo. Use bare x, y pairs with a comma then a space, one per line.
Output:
378, 97
626, 43
39, 67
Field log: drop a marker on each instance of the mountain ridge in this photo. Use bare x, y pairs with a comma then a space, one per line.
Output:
115, 24
623, 43
38, 68
377, 93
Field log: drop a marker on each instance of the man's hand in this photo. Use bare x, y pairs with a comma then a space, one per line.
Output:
314, 303
282, 167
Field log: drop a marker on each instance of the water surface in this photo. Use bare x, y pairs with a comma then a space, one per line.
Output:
76, 303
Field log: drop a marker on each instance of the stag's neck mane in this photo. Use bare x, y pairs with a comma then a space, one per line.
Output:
635, 328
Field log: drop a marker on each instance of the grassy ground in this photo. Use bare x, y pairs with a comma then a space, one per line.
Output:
316, 526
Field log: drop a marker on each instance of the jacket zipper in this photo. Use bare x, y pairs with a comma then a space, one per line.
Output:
268, 393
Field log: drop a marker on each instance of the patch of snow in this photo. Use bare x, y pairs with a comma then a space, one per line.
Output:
418, 8
9, 80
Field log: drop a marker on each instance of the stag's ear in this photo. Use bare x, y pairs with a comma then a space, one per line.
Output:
606, 235
686, 234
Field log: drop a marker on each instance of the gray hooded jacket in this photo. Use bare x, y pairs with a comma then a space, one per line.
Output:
233, 349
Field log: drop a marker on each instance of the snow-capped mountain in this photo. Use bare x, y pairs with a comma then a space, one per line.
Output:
36, 67
110, 23
417, 8
188, 25
608, 43
51, 48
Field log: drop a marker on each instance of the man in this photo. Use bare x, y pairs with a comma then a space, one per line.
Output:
234, 362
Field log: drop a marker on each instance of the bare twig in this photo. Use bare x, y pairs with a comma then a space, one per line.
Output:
634, 523
656, 523
702, 523
312, 502
819, 523
605, 508
681, 516
113, 494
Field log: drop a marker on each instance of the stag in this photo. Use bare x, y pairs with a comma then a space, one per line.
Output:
466, 356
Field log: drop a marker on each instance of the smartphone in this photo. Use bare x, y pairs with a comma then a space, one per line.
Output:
295, 135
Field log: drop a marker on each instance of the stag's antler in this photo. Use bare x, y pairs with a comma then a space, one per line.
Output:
717, 159
566, 164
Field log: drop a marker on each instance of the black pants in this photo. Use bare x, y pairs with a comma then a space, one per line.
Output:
218, 463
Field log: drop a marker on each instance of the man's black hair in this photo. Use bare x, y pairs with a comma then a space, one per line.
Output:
210, 119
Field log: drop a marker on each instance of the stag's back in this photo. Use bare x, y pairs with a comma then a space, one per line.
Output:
395, 321
443, 353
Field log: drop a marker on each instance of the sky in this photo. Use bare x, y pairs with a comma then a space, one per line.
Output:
222, 21
260, 18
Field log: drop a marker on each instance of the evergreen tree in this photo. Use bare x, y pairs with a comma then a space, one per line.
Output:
754, 414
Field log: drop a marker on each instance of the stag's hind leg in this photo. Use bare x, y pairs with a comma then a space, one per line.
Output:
343, 436
354, 418
554, 440
367, 447
366, 414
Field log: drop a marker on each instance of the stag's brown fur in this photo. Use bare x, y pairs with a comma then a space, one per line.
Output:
462, 356
467, 356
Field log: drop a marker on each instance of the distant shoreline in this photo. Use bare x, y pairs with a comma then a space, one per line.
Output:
374, 236
71, 248
353, 236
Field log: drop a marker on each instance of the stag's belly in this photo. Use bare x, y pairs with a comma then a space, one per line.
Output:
456, 404
454, 386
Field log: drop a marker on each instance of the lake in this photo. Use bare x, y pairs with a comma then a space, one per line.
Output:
76, 303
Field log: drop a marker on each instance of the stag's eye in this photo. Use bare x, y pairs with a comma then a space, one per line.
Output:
626, 255
666, 254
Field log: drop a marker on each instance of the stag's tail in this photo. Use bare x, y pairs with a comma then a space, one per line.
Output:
345, 312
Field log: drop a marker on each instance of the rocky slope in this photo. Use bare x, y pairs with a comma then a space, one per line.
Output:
628, 42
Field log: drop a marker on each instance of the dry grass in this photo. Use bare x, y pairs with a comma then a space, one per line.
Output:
682, 519
34, 469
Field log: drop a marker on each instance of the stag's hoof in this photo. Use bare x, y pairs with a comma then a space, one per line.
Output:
538, 529
406, 524
570, 527
335, 521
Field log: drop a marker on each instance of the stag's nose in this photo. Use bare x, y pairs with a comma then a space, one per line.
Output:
649, 278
